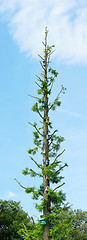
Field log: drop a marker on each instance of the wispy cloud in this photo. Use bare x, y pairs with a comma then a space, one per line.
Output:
10, 195
73, 114
66, 21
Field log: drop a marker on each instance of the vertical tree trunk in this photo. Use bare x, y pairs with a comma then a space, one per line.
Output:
45, 144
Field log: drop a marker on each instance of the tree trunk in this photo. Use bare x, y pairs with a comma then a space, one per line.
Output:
45, 147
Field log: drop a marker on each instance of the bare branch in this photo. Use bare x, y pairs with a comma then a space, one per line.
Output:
36, 128
61, 168
19, 183
33, 96
57, 157
58, 186
38, 84
40, 114
54, 162
38, 78
36, 162
40, 175
38, 131
51, 136
59, 154
43, 43
41, 57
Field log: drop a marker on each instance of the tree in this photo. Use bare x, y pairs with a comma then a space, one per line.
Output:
46, 139
79, 225
69, 224
12, 218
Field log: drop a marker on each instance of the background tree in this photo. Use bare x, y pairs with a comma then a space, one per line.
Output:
12, 218
68, 224
47, 141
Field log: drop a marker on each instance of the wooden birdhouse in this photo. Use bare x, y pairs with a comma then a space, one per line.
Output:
47, 177
44, 63
48, 208
44, 104
47, 162
43, 150
47, 120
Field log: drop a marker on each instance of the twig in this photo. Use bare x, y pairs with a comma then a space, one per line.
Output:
38, 174
59, 155
40, 114
38, 131
19, 183
35, 162
61, 168
38, 84
58, 186
41, 57
38, 78
33, 96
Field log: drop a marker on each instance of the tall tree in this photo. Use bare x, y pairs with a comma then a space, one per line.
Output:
48, 142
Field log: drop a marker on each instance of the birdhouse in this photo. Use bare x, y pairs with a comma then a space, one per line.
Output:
41, 189
47, 162
42, 85
47, 177
48, 208
43, 150
44, 63
44, 104
43, 222
47, 120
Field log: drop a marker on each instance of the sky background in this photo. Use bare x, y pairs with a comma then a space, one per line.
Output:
22, 25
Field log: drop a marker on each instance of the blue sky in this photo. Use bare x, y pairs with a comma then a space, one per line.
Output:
21, 33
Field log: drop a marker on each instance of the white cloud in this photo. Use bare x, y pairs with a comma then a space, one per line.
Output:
66, 21
73, 114
10, 195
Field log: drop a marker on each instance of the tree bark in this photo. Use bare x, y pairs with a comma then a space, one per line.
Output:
45, 147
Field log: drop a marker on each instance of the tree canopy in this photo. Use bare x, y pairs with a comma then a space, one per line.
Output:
12, 218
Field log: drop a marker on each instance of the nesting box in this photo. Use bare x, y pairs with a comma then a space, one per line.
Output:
42, 85
43, 150
44, 63
44, 104
47, 120
47, 162
47, 177
48, 208
43, 222
41, 189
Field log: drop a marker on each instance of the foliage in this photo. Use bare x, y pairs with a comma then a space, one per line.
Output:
12, 218
45, 139
65, 224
